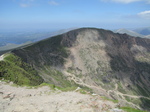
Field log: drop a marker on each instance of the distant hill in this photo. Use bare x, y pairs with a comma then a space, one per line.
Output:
13, 46
143, 31
11, 40
130, 32
111, 64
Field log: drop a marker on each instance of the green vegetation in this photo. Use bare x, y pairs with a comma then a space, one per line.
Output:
67, 88
82, 91
145, 103
120, 88
52, 86
136, 101
129, 109
60, 81
14, 69
143, 58
142, 91
56, 77
128, 98
86, 88
105, 98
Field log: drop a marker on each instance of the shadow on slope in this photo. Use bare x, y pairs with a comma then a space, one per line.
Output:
125, 65
48, 57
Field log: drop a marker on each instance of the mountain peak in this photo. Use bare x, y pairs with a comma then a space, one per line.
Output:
111, 64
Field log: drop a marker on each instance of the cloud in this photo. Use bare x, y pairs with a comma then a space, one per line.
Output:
144, 14
24, 5
125, 1
53, 2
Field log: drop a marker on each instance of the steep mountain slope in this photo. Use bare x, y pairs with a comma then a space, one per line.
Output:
114, 65
12, 68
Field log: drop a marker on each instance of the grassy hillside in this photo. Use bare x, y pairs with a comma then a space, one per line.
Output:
129, 109
14, 69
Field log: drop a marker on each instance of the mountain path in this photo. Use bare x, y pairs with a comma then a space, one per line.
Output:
1, 57
74, 78
122, 94
80, 82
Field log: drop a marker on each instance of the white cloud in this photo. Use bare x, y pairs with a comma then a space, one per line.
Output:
125, 1
145, 14
53, 2
24, 5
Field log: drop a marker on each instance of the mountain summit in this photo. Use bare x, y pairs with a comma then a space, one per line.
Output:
111, 64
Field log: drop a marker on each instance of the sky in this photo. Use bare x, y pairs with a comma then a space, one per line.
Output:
63, 14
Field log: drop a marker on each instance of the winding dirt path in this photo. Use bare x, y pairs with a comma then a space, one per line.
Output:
122, 94
80, 82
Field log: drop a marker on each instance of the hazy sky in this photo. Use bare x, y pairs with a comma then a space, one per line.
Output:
59, 14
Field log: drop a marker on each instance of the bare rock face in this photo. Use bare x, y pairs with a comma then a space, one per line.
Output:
112, 64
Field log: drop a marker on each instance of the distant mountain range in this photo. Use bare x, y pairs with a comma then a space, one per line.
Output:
136, 32
143, 31
13, 46
12, 40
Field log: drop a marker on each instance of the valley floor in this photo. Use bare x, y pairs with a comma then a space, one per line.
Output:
44, 99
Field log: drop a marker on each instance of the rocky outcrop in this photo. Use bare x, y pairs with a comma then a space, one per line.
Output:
45, 99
